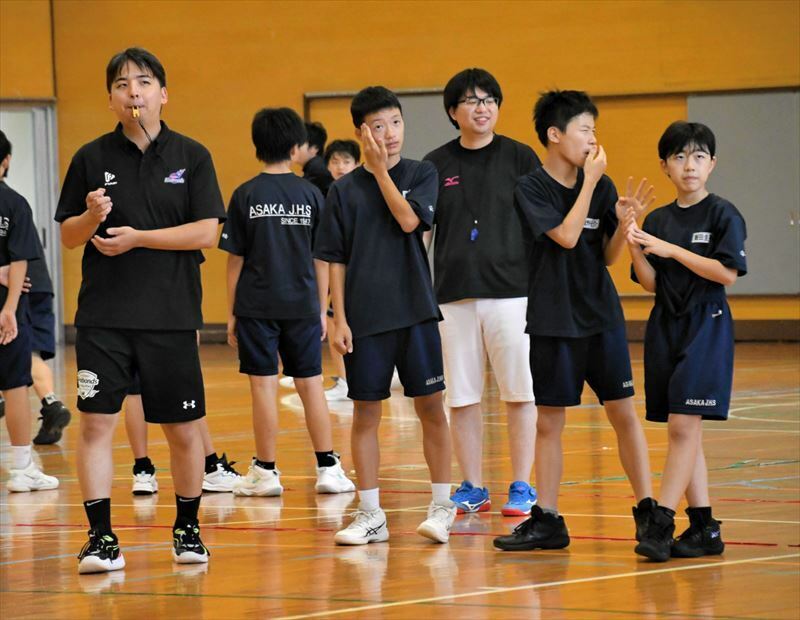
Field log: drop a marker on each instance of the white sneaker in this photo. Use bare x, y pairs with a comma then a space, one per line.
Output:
338, 391
367, 527
259, 481
30, 479
144, 483
223, 478
286, 382
437, 525
333, 479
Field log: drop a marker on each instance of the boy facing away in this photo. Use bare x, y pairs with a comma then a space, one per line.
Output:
687, 252
275, 292
384, 307
570, 212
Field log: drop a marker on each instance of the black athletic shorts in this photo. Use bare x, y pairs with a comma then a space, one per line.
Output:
15, 360
559, 367
297, 341
167, 363
688, 362
416, 351
43, 322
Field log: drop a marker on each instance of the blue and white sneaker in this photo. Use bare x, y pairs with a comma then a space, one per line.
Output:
521, 498
468, 498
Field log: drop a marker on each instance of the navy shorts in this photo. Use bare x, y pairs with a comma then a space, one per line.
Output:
297, 341
416, 351
559, 367
688, 362
166, 362
43, 322
15, 360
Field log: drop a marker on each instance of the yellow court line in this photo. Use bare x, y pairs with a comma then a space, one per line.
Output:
537, 586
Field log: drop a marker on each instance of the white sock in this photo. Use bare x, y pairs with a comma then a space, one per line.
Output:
441, 493
20, 456
369, 499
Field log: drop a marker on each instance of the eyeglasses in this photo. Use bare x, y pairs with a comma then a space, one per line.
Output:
474, 102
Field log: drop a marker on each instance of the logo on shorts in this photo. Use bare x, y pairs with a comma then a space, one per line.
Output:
628, 383
188, 404
591, 223
109, 179
701, 237
701, 402
176, 177
87, 381
434, 380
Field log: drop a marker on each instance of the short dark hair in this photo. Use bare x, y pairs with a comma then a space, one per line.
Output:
556, 108
276, 131
372, 99
681, 134
141, 58
5, 146
317, 136
348, 147
468, 80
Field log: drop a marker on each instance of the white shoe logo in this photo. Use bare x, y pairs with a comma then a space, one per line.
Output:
188, 403
110, 179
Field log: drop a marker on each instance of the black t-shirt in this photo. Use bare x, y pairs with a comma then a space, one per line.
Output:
272, 220
18, 240
712, 228
570, 292
478, 184
387, 281
317, 173
172, 183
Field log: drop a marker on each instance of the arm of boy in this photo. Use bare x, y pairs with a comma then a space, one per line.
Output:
197, 235
708, 268
77, 230
8, 314
569, 231
322, 270
376, 160
233, 271
638, 201
343, 337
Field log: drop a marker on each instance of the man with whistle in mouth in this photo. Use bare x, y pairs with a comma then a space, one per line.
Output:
143, 201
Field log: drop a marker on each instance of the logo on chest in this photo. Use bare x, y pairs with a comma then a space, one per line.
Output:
452, 181
591, 223
5, 223
701, 237
109, 177
176, 178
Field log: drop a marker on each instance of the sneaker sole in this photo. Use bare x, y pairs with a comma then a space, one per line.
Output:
677, 553
215, 488
190, 557
58, 429
328, 489
432, 534
13, 488
350, 542
248, 493
514, 512
92, 564
649, 552
561, 544
136, 491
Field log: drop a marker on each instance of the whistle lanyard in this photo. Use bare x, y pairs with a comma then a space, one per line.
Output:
478, 174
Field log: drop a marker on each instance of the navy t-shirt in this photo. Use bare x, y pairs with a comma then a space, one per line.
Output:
570, 292
172, 183
387, 282
18, 240
478, 184
272, 220
712, 228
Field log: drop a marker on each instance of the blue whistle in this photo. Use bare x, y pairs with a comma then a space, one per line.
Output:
473, 234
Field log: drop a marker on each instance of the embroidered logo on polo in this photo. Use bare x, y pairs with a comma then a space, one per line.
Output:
109, 176
701, 237
591, 223
176, 178
452, 181
5, 223
87, 381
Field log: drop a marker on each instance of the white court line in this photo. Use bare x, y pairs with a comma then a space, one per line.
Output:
537, 586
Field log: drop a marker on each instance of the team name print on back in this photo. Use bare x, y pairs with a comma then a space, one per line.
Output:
293, 215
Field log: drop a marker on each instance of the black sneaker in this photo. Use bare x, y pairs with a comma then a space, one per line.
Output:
541, 531
704, 536
100, 554
641, 515
187, 548
55, 417
656, 542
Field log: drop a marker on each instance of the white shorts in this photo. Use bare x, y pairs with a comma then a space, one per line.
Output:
473, 328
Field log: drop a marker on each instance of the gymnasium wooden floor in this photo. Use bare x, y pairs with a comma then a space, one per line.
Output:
275, 557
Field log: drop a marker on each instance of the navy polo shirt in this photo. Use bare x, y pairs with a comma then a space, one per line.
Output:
172, 183
18, 240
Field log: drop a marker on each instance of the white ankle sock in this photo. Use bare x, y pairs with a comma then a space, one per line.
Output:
369, 499
441, 493
20, 456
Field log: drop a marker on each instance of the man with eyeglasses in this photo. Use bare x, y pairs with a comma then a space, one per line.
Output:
480, 277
